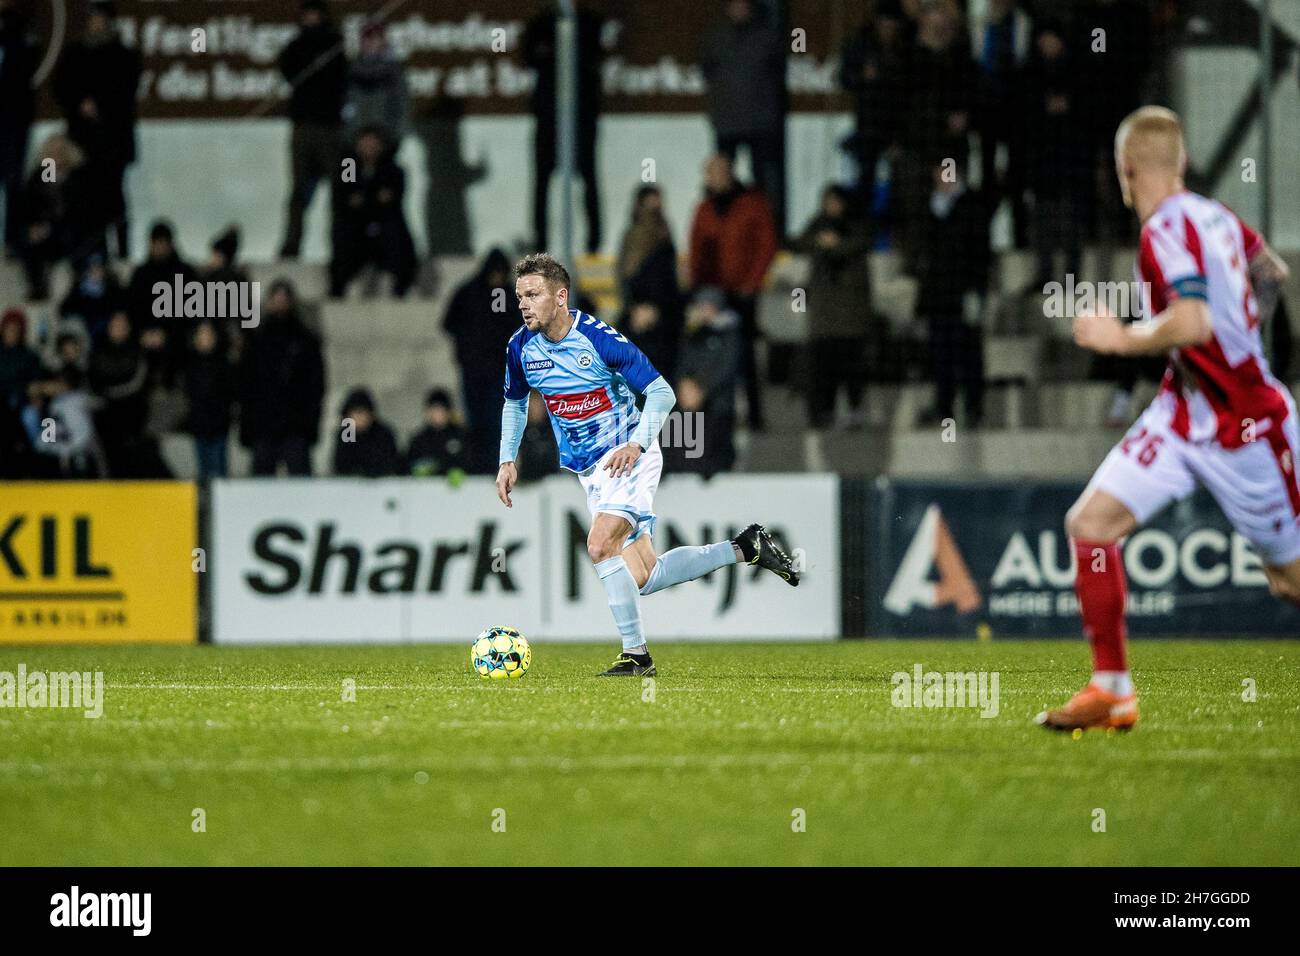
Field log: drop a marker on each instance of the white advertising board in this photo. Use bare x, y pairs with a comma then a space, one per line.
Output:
343, 560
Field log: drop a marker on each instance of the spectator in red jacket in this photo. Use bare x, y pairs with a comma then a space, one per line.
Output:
733, 242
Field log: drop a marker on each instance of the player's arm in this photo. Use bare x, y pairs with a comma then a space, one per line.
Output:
659, 401
1267, 266
630, 362
1185, 322
514, 419
1166, 263
1267, 274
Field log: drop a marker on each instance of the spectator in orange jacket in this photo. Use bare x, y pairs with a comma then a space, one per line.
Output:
733, 242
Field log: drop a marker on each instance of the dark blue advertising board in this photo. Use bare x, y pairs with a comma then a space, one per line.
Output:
986, 559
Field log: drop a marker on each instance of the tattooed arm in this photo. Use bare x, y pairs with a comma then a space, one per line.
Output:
1267, 273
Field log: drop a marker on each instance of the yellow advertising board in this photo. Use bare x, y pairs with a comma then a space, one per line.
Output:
98, 562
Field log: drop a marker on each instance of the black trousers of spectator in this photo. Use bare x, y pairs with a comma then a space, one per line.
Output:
834, 363
544, 164
13, 153
37, 258
313, 157
120, 427
747, 308
61, 243
483, 418
1010, 184
390, 249
293, 451
1110, 220
108, 179
957, 361
867, 152
767, 157
910, 187
1057, 228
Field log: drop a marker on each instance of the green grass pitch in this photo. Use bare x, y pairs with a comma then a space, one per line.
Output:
736, 739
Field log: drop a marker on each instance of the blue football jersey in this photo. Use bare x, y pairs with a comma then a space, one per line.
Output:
585, 379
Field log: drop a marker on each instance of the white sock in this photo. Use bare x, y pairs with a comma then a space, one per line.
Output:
1115, 682
640, 651
687, 564
621, 588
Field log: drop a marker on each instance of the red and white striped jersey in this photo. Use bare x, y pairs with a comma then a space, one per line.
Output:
1222, 390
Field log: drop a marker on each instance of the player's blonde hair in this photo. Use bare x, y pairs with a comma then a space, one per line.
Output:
1152, 136
545, 265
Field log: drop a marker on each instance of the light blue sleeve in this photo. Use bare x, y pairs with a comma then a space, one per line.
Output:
659, 401
514, 418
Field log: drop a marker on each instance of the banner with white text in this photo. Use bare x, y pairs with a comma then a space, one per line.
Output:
208, 59
994, 560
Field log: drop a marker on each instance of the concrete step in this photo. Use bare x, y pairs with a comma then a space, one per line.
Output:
441, 277
777, 318
792, 269
884, 266
770, 451
13, 287
436, 280
177, 450
1012, 453
401, 408
1063, 361
13, 283
310, 280
1081, 405
862, 452
893, 295
1012, 357
411, 321
388, 365
1015, 269
895, 299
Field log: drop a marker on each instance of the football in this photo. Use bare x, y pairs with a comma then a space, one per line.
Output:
499, 653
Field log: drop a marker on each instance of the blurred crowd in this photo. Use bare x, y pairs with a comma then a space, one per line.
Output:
957, 116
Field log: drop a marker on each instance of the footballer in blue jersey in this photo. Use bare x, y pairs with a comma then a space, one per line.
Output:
588, 374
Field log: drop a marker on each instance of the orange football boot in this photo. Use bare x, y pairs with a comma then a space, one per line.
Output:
1093, 707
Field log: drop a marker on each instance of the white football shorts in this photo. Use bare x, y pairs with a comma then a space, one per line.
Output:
628, 496
1255, 484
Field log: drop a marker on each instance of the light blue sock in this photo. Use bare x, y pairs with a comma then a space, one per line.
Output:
623, 597
687, 564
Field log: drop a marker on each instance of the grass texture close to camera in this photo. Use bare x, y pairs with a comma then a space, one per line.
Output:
710, 768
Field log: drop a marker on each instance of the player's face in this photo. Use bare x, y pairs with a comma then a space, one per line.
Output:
538, 303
